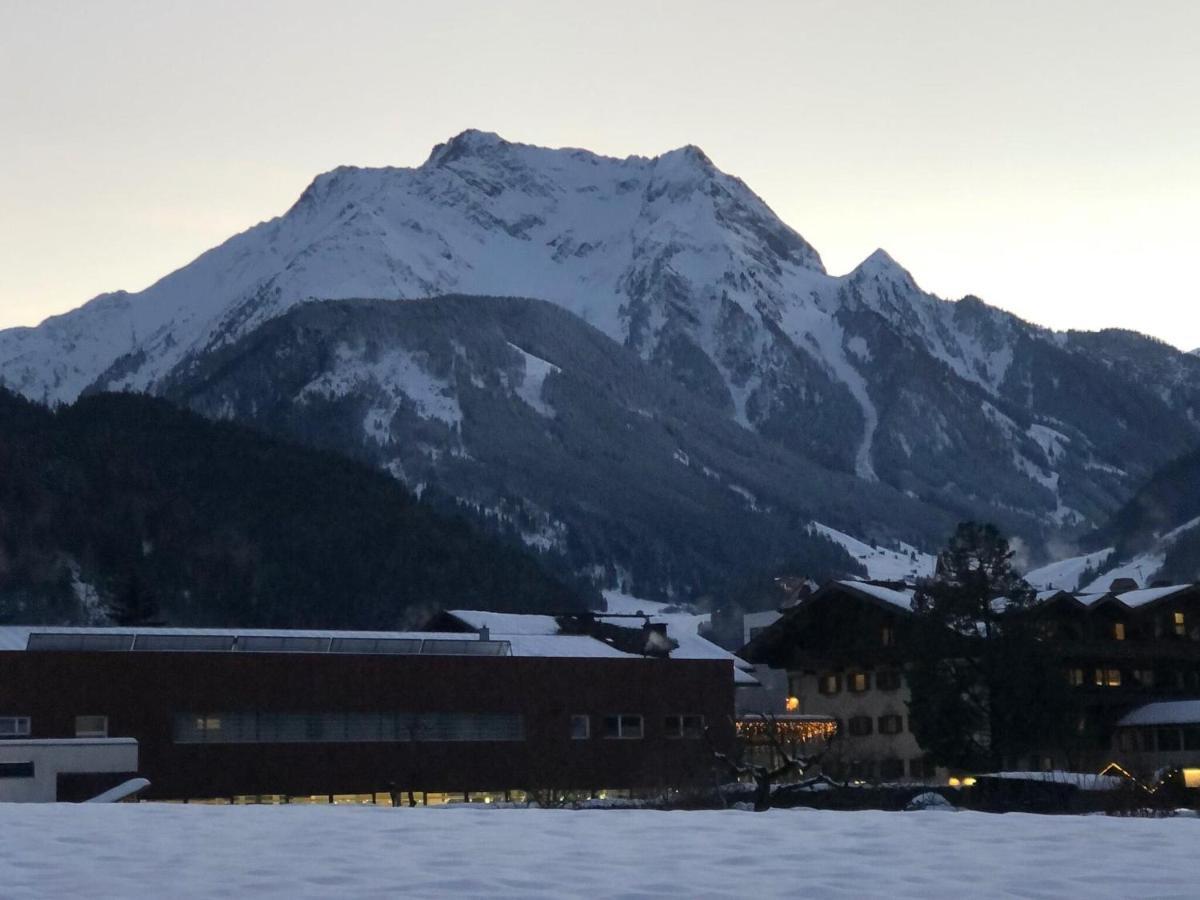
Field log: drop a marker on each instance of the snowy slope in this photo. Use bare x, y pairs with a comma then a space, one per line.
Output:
906, 564
1143, 568
1064, 575
685, 265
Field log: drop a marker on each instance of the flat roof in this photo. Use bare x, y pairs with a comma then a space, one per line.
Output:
1166, 712
49, 638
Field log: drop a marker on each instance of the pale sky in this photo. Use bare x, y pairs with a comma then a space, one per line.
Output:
1044, 156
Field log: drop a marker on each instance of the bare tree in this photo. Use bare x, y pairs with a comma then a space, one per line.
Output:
765, 776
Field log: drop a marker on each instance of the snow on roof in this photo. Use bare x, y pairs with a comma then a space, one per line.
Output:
506, 624
1149, 595
902, 598
522, 629
1169, 712
574, 646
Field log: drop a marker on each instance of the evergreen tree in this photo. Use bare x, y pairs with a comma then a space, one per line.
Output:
134, 604
986, 689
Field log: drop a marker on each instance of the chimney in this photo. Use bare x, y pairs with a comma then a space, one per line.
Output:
485, 633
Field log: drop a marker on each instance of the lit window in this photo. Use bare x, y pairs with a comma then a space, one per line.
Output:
625, 727
891, 724
1191, 778
830, 683
1118, 631
1108, 677
887, 680
887, 636
91, 726
792, 704
1075, 677
1180, 625
683, 726
858, 682
581, 728
860, 726
14, 726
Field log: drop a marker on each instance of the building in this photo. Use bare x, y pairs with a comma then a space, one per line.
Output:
844, 652
71, 770
1161, 735
370, 716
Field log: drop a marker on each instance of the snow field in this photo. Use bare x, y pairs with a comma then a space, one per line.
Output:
157, 850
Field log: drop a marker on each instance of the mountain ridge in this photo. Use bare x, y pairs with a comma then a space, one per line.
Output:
958, 405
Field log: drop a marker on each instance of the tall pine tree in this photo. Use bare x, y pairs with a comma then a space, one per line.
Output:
987, 690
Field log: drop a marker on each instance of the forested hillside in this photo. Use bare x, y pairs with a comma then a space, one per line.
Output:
126, 500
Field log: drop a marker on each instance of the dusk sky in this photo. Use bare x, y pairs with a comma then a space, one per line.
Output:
1044, 156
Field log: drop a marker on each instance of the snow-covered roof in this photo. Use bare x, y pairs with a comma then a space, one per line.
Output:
900, 598
506, 623
538, 635
1134, 599
574, 646
1167, 712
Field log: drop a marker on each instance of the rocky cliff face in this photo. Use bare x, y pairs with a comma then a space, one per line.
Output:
956, 405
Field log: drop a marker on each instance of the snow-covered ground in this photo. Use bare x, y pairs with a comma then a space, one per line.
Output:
882, 564
160, 850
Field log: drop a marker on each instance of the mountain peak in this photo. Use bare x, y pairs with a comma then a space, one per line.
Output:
881, 265
471, 142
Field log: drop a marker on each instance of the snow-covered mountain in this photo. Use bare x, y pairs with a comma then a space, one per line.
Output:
964, 407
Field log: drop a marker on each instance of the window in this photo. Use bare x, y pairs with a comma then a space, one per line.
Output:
91, 726
1191, 737
624, 727
1075, 677
684, 726
1107, 677
1144, 677
339, 727
795, 685
830, 683
858, 682
581, 728
887, 636
1169, 739
1118, 631
14, 726
891, 769
860, 726
1180, 625
887, 680
891, 724
16, 770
